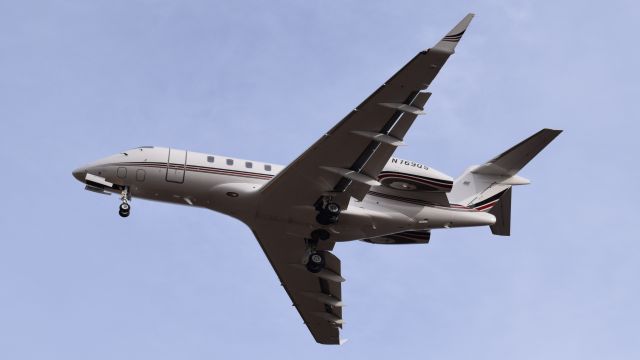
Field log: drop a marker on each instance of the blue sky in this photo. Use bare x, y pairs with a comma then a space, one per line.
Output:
80, 80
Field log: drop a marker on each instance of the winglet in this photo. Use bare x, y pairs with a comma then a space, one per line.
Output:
449, 42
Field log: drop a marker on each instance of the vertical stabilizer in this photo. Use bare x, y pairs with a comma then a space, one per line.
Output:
502, 212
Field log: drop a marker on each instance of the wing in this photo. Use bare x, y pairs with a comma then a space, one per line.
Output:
343, 163
317, 297
346, 161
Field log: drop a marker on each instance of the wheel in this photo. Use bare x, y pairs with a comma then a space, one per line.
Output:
123, 213
328, 215
333, 209
125, 207
316, 262
320, 234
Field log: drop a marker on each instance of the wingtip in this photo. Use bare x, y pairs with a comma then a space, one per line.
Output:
555, 132
462, 25
451, 39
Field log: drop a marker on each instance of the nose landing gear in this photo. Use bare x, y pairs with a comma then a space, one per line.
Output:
125, 208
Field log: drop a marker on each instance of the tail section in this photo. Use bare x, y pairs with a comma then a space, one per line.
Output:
488, 187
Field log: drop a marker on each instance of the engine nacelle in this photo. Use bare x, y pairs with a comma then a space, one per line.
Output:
408, 175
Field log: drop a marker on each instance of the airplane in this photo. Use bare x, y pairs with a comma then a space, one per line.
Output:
346, 186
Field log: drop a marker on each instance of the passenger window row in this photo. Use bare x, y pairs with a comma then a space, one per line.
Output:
247, 164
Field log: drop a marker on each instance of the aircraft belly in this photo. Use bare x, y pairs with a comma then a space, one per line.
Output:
354, 223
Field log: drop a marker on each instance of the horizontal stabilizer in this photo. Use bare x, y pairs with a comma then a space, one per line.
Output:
485, 186
511, 161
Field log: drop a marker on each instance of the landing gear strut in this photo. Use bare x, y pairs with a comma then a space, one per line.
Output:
125, 208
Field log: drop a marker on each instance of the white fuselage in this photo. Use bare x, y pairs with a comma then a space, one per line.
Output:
231, 186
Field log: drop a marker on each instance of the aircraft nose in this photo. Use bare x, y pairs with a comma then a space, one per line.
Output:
79, 173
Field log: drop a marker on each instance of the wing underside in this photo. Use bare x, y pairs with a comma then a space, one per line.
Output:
317, 297
343, 164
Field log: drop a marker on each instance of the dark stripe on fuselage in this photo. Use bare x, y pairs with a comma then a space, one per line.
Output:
200, 169
488, 200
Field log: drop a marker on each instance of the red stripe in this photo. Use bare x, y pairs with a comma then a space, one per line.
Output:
486, 206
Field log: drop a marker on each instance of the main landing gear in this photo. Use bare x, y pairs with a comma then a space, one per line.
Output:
327, 214
125, 208
315, 263
314, 259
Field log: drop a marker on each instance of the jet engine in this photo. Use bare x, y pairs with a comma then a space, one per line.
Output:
405, 175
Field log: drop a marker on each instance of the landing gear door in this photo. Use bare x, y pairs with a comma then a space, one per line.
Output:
176, 165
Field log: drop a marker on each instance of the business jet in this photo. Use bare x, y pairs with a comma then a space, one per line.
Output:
345, 187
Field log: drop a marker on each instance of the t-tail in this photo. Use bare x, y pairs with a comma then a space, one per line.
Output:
487, 187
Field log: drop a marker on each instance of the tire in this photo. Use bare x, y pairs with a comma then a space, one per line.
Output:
123, 214
333, 209
316, 262
125, 207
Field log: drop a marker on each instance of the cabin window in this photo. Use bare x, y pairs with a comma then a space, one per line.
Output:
140, 175
210, 159
267, 167
122, 172
248, 164
229, 161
